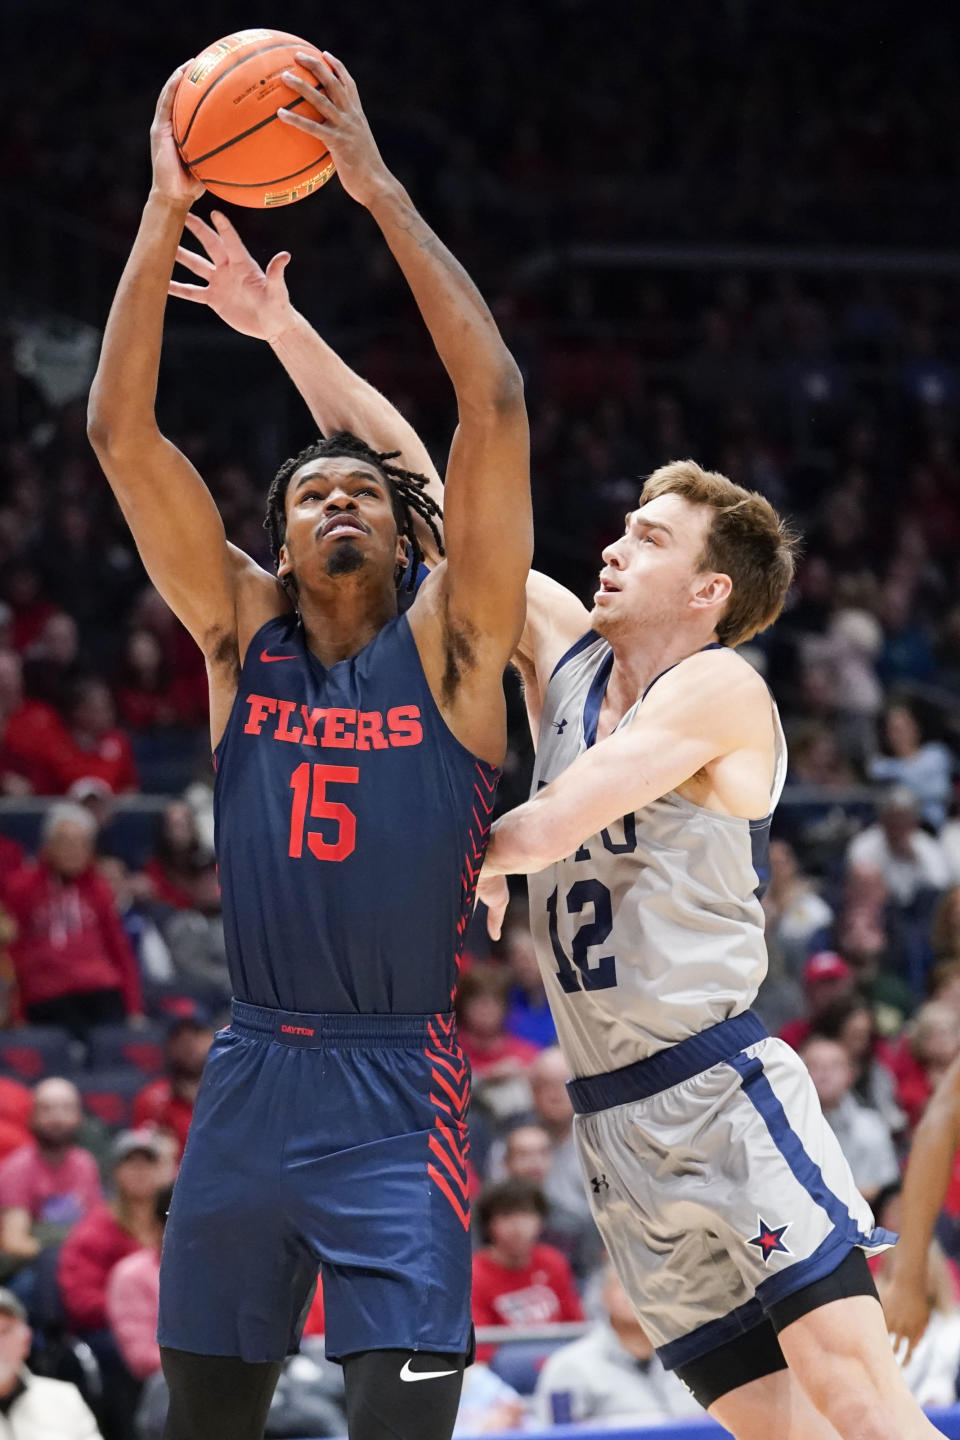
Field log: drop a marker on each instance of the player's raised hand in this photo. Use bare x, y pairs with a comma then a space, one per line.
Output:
494, 891
170, 178
249, 299
338, 119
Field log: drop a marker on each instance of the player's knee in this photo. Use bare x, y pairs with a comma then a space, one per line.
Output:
843, 1391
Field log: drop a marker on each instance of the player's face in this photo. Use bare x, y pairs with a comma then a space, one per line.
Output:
651, 574
339, 520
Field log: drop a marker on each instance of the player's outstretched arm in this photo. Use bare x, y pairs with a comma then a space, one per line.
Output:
704, 710
488, 517
171, 513
256, 302
935, 1144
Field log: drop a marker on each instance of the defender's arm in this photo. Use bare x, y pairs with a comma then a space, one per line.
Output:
935, 1144
693, 717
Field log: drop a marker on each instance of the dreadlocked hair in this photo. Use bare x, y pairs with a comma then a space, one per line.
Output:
408, 495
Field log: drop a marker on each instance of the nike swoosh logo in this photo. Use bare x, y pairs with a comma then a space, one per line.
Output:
268, 659
407, 1374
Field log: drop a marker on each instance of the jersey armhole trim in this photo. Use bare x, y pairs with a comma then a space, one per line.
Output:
217, 751
575, 648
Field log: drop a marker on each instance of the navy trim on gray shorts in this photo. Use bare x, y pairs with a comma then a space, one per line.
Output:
341, 1032
667, 1067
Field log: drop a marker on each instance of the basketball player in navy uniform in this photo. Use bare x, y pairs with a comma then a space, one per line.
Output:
357, 753
724, 1200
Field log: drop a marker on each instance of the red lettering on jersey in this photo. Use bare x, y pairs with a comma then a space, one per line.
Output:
283, 731
370, 734
311, 719
403, 723
335, 733
296, 1030
260, 707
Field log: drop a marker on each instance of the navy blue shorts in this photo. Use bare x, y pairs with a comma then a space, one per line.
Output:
330, 1141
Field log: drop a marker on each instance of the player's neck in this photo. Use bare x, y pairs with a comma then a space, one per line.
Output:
638, 661
342, 618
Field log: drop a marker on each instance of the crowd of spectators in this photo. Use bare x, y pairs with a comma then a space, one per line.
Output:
835, 392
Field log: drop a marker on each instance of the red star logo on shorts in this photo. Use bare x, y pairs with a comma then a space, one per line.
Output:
770, 1239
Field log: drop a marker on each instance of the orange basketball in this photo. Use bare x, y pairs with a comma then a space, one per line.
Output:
226, 127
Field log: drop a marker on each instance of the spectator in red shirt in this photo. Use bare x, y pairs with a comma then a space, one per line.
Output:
827, 979
482, 1000
111, 1231
516, 1279
73, 962
168, 1101
178, 856
922, 1054
147, 697
50, 1183
97, 749
16, 1107
133, 1300
33, 738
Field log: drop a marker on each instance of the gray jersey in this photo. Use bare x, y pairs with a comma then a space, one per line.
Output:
653, 930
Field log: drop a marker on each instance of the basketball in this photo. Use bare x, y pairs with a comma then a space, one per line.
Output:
226, 127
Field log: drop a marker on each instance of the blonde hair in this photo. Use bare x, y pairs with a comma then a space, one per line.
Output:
748, 541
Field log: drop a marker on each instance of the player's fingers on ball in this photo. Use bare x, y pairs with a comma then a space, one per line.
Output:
311, 93
303, 122
197, 293
199, 264
339, 69
165, 102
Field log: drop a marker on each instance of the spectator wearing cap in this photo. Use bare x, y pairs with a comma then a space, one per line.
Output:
168, 1101
111, 1231
517, 1280
133, 1299
861, 1132
33, 1407
611, 1375
73, 962
827, 979
911, 862
50, 1183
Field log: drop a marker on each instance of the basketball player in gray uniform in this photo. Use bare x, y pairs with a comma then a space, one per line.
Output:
723, 1197
725, 1203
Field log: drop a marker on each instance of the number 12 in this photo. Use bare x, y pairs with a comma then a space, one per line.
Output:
602, 975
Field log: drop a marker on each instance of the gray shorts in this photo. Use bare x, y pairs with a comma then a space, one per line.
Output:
719, 1189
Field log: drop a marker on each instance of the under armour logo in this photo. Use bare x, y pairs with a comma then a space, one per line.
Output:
599, 1182
559, 726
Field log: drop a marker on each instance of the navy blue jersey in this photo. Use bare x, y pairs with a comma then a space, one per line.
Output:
350, 829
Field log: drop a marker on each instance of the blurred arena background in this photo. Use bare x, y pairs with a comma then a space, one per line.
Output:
725, 230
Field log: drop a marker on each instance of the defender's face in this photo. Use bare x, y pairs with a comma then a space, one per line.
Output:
652, 572
339, 519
